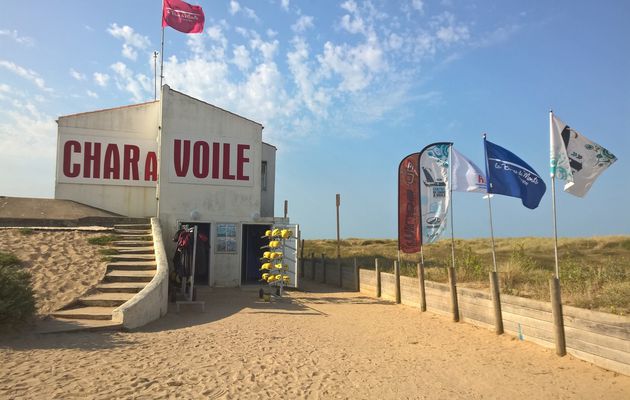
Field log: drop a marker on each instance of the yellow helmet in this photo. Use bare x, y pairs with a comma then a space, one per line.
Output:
267, 233
275, 232
285, 233
265, 266
274, 244
265, 275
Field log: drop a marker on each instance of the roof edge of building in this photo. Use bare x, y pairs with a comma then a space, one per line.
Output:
217, 107
109, 109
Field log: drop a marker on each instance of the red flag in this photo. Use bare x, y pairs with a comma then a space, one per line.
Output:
409, 237
182, 16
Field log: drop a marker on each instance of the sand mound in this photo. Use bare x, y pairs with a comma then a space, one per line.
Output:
63, 264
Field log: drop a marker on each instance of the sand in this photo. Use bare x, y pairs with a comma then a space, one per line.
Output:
63, 265
319, 344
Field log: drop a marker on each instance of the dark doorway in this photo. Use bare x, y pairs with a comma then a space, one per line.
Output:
253, 240
202, 259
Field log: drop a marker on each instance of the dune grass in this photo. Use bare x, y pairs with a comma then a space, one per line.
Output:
17, 302
594, 272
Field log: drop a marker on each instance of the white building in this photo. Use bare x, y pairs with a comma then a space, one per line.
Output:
183, 160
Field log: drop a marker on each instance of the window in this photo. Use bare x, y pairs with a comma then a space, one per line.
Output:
226, 238
263, 176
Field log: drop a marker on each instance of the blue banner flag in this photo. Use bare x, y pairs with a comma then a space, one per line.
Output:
509, 175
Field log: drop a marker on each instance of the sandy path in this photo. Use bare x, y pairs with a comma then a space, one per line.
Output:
325, 345
63, 264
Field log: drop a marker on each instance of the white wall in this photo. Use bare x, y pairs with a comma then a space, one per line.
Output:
215, 200
268, 195
135, 125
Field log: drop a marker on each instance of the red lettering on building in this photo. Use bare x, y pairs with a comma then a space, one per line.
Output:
201, 159
240, 161
180, 160
151, 167
71, 170
111, 167
130, 162
226, 162
92, 159
215, 160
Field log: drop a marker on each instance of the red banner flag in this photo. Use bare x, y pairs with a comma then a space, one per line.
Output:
182, 16
409, 237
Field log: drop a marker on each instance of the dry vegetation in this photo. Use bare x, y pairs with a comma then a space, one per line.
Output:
594, 272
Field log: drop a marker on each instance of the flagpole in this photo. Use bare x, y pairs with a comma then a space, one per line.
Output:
553, 205
162, 60
494, 256
450, 190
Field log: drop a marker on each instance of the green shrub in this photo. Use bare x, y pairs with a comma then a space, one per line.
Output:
17, 303
26, 231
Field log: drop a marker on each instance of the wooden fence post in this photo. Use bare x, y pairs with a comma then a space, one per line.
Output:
301, 255
496, 300
423, 296
357, 276
323, 268
340, 274
397, 276
558, 320
453, 286
378, 278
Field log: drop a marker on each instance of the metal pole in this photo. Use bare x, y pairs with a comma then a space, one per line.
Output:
450, 190
286, 208
553, 200
155, 54
494, 256
162, 58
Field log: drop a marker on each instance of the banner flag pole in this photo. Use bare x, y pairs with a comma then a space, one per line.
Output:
553, 205
494, 255
450, 189
162, 59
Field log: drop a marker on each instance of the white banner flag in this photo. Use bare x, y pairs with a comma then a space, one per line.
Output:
575, 159
434, 190
465, 175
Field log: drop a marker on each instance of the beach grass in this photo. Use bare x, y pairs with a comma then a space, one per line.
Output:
103, 240
17, 302
594, 272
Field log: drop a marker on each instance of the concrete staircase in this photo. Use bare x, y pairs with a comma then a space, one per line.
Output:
128, 272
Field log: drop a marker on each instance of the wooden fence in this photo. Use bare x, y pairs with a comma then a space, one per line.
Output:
600, 338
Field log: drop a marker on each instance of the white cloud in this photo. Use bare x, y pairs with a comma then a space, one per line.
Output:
132, 40
13, 34
27, 74
350, 6
91, 94
235, 8
302, 24
215, 32
271, 33
417, 5
101, 79
138, 85
241, 58
284, 4
449, 31
77, 75
267, 49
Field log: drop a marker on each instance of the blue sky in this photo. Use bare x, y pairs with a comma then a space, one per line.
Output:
345, 89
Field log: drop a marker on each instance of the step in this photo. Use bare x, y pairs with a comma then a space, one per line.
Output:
121, 287
132, 226
130, 236
106, 299
129, 276
133, 243
101, 313
132, 265
134, 250
144, 232
132, 257
61, 325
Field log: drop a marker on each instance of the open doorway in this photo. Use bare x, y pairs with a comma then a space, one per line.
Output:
253, 240
202, 258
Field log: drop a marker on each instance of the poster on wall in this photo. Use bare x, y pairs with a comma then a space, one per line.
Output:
226, 238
